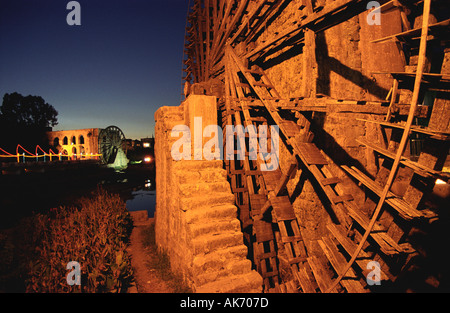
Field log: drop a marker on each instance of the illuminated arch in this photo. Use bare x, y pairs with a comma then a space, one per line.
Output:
74, 153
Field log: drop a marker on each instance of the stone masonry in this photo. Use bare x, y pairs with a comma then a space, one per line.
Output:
196, 221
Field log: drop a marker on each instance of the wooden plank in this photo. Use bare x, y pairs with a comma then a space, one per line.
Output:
296, 260
258, 84
337, 260
258, 119
270, 274
267, 255
311, 154
263, 230
413, 32
229, 27
363, 257
283, 208
304, 280
291, 287
240, 189
285, 213
288, 239
349, 246
281, 186
321, 276
290, 128
248, 20
435, 134
420, 169
401, 206
261, 265
387, 245
330, 181
342, 198
271, 179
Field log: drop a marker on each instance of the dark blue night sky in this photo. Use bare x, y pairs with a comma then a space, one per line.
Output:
117, 68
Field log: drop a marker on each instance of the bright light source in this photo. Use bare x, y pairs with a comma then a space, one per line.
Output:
440, 182
147, 159
146, 144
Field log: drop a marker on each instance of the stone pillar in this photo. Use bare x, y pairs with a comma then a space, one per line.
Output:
199, 112
196, 220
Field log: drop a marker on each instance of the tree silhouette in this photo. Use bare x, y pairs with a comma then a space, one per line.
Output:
24, 120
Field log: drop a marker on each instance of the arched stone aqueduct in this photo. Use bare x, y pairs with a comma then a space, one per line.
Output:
75, 144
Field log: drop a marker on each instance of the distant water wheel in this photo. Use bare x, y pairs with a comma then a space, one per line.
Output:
110, 141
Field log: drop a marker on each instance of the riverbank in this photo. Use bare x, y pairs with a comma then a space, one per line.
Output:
151, 269
22, 199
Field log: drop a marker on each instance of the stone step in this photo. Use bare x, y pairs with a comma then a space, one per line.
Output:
197, 165
219, 257
214, 226
210, 201
244, 283
209, 243
230, 268
206, 175
203, 212
203, 189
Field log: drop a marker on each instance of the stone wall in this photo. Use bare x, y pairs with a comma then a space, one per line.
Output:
196, 221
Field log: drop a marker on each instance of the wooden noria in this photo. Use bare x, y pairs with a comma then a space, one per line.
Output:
363, 113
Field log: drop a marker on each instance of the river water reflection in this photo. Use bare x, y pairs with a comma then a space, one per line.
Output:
143, 199
24, 195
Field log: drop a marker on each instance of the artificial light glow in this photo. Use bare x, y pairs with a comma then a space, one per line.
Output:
440, 182
147, 159
146, 145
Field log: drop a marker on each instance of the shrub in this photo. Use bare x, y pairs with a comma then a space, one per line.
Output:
94, 234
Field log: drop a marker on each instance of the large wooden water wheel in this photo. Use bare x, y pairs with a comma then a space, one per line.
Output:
110, 141
266, 57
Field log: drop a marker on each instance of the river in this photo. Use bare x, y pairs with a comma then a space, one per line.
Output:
24, 195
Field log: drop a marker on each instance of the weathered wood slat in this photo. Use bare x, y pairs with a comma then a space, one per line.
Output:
378, 233
312, 154
351, 280
304, 280
271, 179
346, 243
330, 181
283, 208
404, 209
417, 167
263, 230
321, 276
363, 257
414, 32
435, 134
342, 198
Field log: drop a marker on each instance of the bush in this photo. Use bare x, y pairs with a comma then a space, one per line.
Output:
94, 234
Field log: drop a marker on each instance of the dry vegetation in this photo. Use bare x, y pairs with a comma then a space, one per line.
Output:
94, 233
